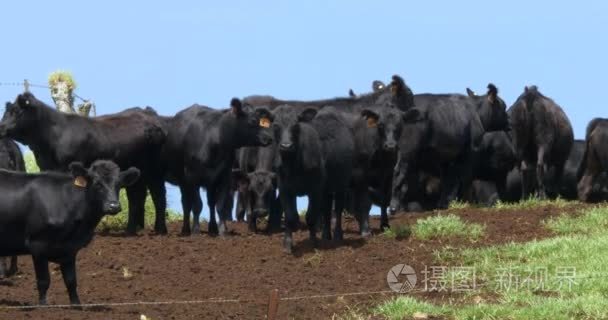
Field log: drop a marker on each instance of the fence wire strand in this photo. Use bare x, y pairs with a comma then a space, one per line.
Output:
185, 302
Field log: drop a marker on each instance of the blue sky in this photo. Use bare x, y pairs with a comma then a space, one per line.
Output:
171, 54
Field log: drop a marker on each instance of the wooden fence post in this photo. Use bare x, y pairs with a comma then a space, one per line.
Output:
273, 304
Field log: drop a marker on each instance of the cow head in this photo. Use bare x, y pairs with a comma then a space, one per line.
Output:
253, 127
388, 123
20, 117
260, 187
396, 95
288, 126
491, 109
102, 182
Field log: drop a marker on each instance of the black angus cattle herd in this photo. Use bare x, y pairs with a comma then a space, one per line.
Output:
390, 147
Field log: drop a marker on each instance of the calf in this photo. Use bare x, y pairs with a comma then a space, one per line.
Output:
51, 215
10, 159
200, 151
542, 137
130, 138
257, 184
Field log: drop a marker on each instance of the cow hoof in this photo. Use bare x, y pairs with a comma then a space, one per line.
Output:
384, 227
288, 245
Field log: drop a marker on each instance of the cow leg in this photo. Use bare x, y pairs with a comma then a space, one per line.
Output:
197, 208
292, 220
339, 200
211, 200
241, 206
328, 200
13, 267
136, 195
274, 217
540, 173
224, 199
315, 207
362, 205
449, 186
158, 192
187, 195
68, 271
43, 278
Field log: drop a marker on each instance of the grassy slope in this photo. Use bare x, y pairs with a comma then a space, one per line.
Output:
580, 244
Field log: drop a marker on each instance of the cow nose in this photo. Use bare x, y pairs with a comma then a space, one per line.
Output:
286, 145
260, 212
390, 146
114, 207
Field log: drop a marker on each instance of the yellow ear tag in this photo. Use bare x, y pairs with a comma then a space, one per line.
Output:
264, 122
371, 122
80, 181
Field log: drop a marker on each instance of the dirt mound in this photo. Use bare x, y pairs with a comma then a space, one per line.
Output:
243, 269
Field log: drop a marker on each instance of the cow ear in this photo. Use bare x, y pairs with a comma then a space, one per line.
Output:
240, 180
492, 93
236, 107
307, 115
25, 99
371, 117
470, 93
265, 117
128, 177
397, 85
413, 115
378, 85
351, 93
78, 170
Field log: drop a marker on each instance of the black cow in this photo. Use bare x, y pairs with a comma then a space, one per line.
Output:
52, 215
377, 132
567, 186
542, 136
200, 151
10, 159
257, 184
130, 138
447, 143
397, 94
300, 167
495, 160
595, 160
315, 158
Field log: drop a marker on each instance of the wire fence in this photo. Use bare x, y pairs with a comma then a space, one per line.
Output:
203, 301
27, 85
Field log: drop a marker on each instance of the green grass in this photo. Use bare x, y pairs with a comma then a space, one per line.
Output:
442, 226
592, 220
581, 245
533, 202
459, 204
399, 231
119, 221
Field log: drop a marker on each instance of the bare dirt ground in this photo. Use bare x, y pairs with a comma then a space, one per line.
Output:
245, 267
